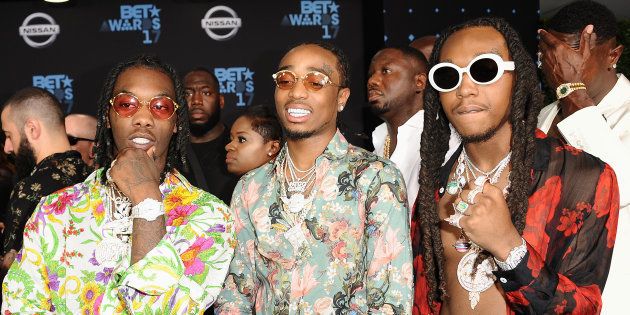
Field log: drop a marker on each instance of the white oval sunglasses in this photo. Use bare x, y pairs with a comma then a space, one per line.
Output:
484, 69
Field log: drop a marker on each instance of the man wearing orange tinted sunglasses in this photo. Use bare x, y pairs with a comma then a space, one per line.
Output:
326, 219
137, 234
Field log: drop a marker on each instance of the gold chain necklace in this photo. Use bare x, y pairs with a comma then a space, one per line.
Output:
386, 146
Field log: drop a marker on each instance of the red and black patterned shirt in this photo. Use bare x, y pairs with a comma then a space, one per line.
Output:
570, 230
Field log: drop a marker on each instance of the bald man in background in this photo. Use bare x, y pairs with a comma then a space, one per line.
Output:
424, 44
33, 123
81, 130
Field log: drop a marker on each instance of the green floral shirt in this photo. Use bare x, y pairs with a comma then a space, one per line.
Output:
357, 257
58, 270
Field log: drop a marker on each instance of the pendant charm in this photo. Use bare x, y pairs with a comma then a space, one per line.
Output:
296, 202
297, 186
452, 188
479, 181
296, 237
110, 250
481, 281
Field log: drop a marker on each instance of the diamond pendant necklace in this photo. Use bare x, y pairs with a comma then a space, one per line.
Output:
293, 195
483, 278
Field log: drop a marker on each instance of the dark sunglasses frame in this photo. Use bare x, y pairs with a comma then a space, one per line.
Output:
74, 140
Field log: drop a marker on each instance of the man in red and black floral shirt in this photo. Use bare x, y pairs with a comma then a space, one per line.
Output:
514, 222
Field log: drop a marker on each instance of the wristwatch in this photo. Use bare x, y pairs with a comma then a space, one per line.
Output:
565, 89
514, 257
148, 209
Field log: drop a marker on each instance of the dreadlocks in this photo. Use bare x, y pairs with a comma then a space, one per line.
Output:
176, 155
526, 102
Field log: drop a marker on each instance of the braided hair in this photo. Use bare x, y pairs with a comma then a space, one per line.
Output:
526, 103
104, 149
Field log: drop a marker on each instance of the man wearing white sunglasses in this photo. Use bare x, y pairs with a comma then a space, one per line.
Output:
514, 221
578, 56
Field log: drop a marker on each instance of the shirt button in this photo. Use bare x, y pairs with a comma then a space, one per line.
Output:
503, 280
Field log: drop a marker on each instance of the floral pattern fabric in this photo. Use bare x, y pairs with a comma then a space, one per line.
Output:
54, 172
358, 255
570, 230
58, 272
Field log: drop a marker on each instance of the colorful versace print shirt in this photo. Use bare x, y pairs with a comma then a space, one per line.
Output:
54, 172
570, 230
59, 271
355, 257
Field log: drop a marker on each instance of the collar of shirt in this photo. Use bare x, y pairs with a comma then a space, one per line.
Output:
620, 92
172, 180
412, 125
335, 150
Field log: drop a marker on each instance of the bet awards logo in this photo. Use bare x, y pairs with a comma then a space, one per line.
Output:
39, 26
323, 13
238, 81
215, 20
144, 18
59, 85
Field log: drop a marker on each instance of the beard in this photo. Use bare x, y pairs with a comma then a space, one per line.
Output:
200, 129
480, 137
25, 160
379, 110
298, 135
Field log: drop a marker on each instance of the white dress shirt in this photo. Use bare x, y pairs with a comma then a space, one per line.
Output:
406, 156
604, 131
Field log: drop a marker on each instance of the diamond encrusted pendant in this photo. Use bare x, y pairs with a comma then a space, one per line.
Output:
296, 202
110, 250
481, 281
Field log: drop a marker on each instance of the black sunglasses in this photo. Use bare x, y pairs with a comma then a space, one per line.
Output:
73, 140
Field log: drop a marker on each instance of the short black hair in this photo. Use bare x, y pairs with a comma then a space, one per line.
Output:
412, 53
343, 65
574, 17
264, 122
211, 73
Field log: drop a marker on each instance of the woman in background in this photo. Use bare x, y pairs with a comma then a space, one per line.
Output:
255, 139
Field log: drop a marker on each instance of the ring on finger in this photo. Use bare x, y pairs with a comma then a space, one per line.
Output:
473, 193
453, 219
461, 207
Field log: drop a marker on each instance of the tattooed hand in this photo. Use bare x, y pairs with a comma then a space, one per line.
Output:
136, 175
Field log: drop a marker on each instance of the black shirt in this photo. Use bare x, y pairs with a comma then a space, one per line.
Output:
54, 172
211, 160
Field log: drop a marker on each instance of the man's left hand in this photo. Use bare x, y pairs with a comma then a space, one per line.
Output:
488, 223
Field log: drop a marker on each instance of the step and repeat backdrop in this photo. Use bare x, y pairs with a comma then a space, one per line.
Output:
68, 49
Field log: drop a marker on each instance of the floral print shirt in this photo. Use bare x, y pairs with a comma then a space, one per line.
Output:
54, 172
570, 229
357, 257
57, 270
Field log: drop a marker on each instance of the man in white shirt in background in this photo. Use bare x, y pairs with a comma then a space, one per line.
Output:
396, 81
578, 54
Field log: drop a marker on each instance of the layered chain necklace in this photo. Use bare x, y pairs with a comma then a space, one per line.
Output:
483, 278
295, 203
116, 244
